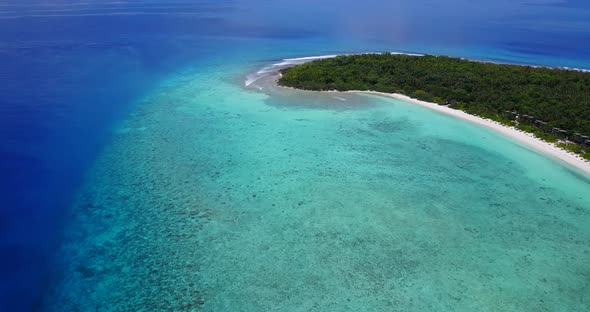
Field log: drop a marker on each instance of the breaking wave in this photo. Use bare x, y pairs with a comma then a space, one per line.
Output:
275, 68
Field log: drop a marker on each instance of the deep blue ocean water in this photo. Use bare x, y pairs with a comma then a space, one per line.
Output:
69, 71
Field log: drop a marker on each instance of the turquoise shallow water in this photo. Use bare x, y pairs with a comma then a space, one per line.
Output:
164, 215
215, 197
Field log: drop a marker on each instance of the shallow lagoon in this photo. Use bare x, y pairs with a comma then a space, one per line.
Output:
70, 71
219, 198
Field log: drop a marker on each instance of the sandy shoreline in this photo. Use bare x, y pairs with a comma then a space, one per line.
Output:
528, 139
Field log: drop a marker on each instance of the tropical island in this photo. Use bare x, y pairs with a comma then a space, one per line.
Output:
553, 104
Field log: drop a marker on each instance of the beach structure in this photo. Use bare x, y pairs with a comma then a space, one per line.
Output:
579, 138
528, 119
540, 124
512, 115
562, 134
451, 102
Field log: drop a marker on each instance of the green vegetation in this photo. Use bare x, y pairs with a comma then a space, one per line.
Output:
570, 147
548, 137
561, 98
539, 133
576, 148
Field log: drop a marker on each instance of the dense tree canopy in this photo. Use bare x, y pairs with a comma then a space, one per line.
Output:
559, 97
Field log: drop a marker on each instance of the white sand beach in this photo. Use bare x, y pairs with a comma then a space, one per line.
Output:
528, 139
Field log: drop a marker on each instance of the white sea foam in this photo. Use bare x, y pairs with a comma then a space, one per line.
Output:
577, 69
274, 68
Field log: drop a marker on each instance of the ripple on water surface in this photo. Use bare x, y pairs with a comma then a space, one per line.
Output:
216, 198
